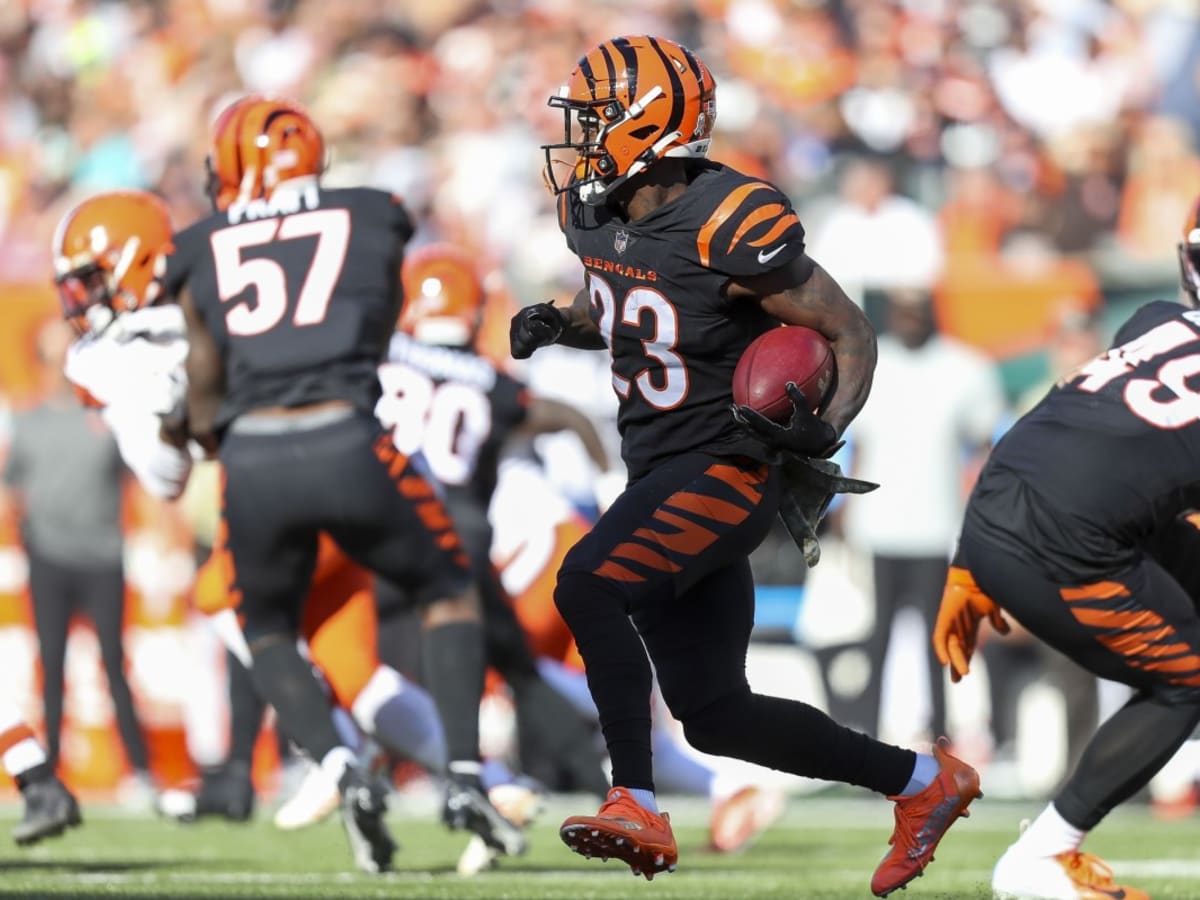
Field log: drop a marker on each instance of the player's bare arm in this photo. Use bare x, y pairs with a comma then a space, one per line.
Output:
546, 415
802, 293
206, 376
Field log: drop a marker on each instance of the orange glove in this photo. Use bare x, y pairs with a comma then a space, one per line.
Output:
964, 605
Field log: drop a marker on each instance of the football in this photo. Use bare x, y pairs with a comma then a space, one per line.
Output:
792, 353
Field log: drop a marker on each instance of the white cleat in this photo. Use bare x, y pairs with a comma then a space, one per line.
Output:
476, 858
1068, 876
314, 801
740, 818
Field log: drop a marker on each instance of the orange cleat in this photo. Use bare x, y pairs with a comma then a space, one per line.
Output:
922, 820
627, 831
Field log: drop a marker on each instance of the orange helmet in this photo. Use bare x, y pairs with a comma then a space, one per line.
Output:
636, 100
1189, 256
109, 253
257, 142
443, 296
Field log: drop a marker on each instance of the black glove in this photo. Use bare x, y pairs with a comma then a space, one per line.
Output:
807, 434
538, 325
809, 486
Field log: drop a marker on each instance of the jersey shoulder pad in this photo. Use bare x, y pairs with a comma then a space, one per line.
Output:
380, 208
746, 226
1154, 313
187, 246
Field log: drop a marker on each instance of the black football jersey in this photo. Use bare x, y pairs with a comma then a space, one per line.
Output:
656, 295
1108, 456
455, 407
301, 294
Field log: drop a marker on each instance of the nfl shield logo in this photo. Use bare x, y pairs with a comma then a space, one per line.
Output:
621, 241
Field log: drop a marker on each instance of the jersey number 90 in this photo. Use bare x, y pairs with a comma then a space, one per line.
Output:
448, 422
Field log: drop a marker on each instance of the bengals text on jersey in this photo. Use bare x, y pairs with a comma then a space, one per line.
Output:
655, 287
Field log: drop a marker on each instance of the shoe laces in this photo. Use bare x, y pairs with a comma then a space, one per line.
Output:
1088, 869
620, 805
911, 813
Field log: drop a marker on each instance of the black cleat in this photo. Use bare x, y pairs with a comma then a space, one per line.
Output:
467, 806
227, 792
364, 804
50, 809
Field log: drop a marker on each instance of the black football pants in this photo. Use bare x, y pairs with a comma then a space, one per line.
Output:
1138, 627
285, 483
667, 566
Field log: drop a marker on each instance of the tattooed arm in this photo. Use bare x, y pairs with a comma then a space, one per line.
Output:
802, 293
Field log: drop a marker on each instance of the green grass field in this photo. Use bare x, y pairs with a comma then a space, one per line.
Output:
823, 849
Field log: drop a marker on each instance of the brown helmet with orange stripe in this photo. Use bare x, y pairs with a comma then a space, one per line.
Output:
443, 296
1189, 256
634, 100
109, 253
258, 143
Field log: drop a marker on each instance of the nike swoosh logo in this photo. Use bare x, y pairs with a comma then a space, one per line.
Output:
764, 257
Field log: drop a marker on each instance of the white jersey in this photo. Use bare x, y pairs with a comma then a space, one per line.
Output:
135, 372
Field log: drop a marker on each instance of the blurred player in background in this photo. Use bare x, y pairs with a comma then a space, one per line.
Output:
444, 399
49, 807
687, 261
129, 362
1080, 528
290, 294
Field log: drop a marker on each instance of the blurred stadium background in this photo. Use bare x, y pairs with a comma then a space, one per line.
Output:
1029, 163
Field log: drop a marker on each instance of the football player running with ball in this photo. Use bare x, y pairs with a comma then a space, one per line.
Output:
687, 261
1081, 527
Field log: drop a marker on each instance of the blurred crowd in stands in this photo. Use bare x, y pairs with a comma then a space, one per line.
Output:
1035, 129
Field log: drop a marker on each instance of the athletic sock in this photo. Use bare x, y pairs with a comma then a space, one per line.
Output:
286, 681
925, 770
20, 751
402, 717
645, 799
245, 712
453, 661
1050, 834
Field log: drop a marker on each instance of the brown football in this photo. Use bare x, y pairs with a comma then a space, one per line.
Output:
790, 353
